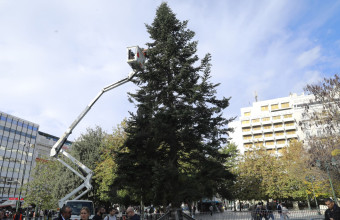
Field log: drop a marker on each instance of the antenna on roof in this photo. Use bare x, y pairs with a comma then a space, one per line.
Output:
255, 93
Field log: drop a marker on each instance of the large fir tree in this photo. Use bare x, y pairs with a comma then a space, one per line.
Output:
172, 153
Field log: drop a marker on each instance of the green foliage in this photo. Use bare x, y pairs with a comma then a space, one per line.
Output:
41, 190
105, 172
172, 149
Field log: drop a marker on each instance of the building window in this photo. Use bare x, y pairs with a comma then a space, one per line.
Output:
279, 133
285, 105
266, 119
278, 125
291, 132
268, 134
245, 129
245, 122
259, 144
247, 114
274, 106
269, 143
255, 120
264, 108
288, 116
258, 136
289, 124
277, 117
271, 151
248, 145
256, 128
247, 137
267, 126
280, 141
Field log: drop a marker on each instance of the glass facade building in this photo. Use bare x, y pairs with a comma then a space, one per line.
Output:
17, 154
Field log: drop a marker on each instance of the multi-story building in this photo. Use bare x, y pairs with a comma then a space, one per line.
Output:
270, 123
21, 144
45, 142
17, 141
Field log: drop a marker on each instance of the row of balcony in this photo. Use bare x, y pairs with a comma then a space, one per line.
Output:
270, 147
256, 139
252, 123
269, 130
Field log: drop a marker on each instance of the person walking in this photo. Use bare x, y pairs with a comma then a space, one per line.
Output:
112, 214
65, 213
333, 211
270, 211
279, 210
17, 216
2, 214
285, 212
211, 208
85, 213
130, 212
99, 213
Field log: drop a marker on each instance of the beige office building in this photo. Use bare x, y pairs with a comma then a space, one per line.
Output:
270, 123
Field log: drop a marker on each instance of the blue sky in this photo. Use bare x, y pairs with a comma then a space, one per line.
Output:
55, 56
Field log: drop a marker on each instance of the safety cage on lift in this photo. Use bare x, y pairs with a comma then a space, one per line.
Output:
136, 57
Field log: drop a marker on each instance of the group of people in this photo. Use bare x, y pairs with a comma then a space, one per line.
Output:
66, 212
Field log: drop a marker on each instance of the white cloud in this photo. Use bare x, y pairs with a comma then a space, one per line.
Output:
309, 57
55, 56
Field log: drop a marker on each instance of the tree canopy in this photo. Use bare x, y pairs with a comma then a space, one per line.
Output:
172, 149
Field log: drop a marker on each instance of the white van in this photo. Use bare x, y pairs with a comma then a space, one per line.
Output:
77, 205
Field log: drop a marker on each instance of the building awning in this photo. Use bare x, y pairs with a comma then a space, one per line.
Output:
9, 203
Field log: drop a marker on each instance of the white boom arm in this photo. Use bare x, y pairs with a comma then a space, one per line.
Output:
136, 60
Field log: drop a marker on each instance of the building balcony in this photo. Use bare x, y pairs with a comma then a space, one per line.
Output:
256, 123
247, 133
257, 131
281, 145
290, 127
247, 141
269, 138
277, 120
258, 139
288, 119
266, 122
279, 129
245, 125
289, 136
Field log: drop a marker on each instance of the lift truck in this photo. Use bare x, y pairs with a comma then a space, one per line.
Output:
136, 59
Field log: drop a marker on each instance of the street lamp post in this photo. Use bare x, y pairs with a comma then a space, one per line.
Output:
318, 163
312, 179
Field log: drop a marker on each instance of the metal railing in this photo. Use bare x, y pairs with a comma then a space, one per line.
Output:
253, 215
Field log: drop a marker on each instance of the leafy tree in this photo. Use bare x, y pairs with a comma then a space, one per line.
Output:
41, 190
172, 150
105, 171
321, 120
87, 149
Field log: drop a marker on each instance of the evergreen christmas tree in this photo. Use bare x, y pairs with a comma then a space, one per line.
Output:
172, 151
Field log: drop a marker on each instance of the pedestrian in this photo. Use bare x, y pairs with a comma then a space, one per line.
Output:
17, 216
2, 214
193, 211
84, 213
131, 214
333, 211
211, 208
285, 212
99, 213
258, 211
65, 213
270, 211
279, 210
112, 214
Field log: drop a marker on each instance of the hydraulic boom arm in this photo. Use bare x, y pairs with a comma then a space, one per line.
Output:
136, 60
